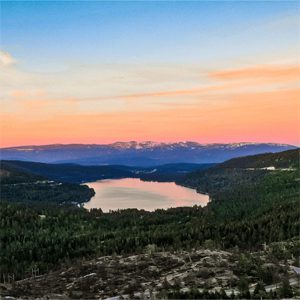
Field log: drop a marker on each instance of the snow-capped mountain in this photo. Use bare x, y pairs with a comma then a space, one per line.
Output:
146, 153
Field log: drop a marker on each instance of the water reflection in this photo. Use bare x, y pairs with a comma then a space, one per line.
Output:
134, 193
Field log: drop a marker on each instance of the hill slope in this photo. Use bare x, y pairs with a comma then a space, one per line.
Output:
77, 173
70, 172
248, 208
286, 159
20, 185
244, 187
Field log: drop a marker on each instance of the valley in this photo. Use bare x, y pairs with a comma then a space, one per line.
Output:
250, 211
149, 149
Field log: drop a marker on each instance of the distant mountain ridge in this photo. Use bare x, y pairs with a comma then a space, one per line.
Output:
73, 173
134, 153
138, 145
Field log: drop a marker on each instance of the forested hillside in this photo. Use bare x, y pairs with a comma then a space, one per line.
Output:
74, 173
243, 188
20, 186
282, 160
69, 172
248, 208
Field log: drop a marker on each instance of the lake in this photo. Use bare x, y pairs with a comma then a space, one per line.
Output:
134, 193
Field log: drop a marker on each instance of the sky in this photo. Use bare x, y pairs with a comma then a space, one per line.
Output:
106, 71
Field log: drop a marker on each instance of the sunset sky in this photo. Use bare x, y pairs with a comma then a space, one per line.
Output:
99, 72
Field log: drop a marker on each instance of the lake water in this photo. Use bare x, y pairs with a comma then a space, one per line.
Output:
134, 193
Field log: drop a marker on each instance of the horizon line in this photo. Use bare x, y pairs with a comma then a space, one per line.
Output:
146, 141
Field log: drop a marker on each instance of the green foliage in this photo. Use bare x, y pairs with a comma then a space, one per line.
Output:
18, 186
238, 193
248, 265
248, 208
284, 159
46, 192
74, 173
285, 290
47, 235
243, 285
259, 291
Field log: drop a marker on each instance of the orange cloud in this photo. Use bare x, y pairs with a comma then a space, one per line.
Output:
168, 93
250, 104
195, 91
26, 93
260, 72
262, 116
259, 76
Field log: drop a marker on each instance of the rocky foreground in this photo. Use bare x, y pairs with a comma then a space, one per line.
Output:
152, 275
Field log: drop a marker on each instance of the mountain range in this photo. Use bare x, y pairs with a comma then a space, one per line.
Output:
138, 153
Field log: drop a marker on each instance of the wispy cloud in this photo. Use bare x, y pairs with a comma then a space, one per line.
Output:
6, 59
263, 116
112, 103
270, 72
257, 76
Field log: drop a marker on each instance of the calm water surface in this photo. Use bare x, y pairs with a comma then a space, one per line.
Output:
134, 193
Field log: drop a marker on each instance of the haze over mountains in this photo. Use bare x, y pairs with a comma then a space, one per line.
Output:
138, 153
